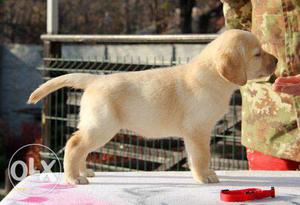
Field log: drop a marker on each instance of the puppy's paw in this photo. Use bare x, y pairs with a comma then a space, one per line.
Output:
81, 180
211, 177
207, 177
77, 180
87, 173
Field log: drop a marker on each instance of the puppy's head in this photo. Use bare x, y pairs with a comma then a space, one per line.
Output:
240, 57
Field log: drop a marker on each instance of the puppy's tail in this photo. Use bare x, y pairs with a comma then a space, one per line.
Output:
74, 80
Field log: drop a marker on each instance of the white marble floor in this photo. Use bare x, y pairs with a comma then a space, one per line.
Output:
163, 188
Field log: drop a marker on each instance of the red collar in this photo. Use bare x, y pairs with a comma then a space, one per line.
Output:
246, 194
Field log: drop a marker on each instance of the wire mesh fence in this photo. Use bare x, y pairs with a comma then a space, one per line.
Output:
129, 151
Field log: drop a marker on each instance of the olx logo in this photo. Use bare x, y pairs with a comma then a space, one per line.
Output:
18, 170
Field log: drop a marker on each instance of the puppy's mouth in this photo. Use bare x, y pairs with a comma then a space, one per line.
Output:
264, 75
267, 79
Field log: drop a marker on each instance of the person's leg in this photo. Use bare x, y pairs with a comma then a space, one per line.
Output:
260, 161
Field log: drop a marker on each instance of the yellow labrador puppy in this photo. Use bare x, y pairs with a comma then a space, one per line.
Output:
184, 100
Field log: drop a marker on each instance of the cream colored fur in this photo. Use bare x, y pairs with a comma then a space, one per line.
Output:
184, 100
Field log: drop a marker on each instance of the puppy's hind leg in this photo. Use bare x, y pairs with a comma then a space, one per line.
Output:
83, 170
199, 158
98, 124
76, 147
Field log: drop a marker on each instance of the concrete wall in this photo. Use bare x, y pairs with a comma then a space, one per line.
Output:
18, 77
150, 53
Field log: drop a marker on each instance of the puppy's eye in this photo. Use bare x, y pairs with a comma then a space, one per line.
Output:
258, 54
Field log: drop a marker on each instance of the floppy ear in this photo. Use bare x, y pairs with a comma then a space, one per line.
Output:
232, 68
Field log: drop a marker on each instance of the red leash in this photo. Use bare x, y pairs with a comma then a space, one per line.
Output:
246, 194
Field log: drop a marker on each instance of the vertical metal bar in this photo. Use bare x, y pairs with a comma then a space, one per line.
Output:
105, 53
63, 123
138, 138
234, 124
56, 120
52, 16
51, 49
173, 60
68, 131
224, 137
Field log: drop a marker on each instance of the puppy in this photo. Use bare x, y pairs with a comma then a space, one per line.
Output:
184, 100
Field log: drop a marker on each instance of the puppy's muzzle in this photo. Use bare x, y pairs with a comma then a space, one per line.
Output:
271, 67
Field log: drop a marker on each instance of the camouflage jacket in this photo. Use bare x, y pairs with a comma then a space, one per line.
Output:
270, 121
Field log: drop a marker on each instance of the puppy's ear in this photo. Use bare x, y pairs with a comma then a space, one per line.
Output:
231, 67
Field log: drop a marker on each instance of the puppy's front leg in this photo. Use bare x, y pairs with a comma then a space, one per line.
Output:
199, 157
